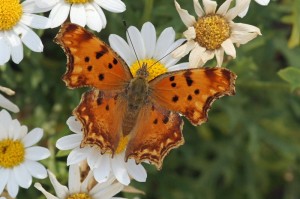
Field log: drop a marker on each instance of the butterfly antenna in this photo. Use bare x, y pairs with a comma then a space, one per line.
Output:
124, 22
167, 54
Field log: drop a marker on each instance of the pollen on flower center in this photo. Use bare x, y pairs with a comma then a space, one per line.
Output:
122, 144
77, 1
79, 196
154, 70
212, 31
10, 13
12, 153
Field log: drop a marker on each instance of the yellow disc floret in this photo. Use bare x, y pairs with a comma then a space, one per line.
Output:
212, 31
154, 68
122, 144
79, 196
10, 13
12, 153
77, 1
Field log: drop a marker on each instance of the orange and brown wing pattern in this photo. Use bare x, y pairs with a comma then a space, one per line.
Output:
157, 131
192, 91
91, 62
101, 114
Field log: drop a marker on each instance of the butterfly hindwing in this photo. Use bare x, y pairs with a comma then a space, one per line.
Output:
91, 62
192, 91
157, 131
101, 114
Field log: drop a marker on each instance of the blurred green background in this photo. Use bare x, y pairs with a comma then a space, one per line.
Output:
249, 148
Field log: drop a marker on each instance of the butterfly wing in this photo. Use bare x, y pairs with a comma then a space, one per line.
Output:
157, 131
191, 92
91, 62
101, 114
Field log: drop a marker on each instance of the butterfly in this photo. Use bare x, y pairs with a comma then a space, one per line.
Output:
122, 105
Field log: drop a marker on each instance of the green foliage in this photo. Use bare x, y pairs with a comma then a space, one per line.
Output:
249, 148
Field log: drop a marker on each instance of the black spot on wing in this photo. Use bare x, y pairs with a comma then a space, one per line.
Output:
101, 76
175, 98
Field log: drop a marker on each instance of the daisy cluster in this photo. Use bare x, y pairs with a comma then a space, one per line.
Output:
212, 33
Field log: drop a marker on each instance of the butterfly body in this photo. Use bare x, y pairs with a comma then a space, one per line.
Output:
120, 105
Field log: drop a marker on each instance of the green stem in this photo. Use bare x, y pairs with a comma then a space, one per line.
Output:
147, 10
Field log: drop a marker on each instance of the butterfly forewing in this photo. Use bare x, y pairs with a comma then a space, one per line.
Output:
192, 91
91, 62
157, 131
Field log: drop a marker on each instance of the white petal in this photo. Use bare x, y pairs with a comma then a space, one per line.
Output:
14, 129
4, 54
36, 169
101, 14
242, 37
93, 19
22, 176
119, 169
60, 190
31, 6
169, 60
229, 48
69, 142
241, 27
78, 14
59, 14
33, 137
35, 21
137, 43
195, 57
5, 103
180, 66
4, 173
116, 6
74, 179
16, 46
45, 3
74, 125
186, 18
101, 173
46, 193
122, 48
210, 6
220, 56
93, 158
198, 9
37, 153
207, 55
164, 42
77, 155
29, 38
184, 49
136, 171
149, 37
239, 8
243, 13
5, 118
263, 2
224, 7
190, 33
109, 191
12, 186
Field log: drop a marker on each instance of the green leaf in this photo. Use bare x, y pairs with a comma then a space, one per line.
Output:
291, 75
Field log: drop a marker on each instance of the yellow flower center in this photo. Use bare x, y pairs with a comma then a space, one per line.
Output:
77, 1
154, 70
212, 31
12, 153
10, 13
122, 144
79, 196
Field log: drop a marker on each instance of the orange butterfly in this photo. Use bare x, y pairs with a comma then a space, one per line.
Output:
122, 106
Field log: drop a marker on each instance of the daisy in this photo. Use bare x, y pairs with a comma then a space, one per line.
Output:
5, 103
154, 52
16, 20
82, 190
18, 156
104, 165
261, 2
214, 32
82, 12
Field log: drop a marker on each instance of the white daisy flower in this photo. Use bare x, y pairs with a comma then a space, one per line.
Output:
148, 49
214, 32
18, 156
16, 20
101, 165
82, 12
5, 103
82, 190
261, 2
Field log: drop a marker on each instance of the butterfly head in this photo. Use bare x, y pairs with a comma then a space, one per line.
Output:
143, 71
